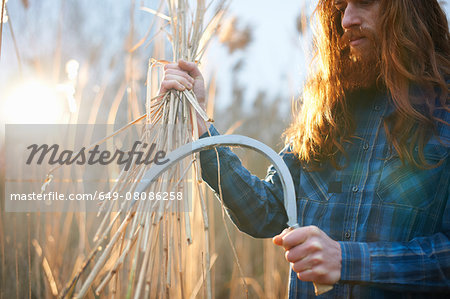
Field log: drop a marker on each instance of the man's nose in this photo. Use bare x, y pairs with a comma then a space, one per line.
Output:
351, 17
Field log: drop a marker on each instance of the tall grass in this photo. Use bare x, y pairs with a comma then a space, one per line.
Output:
157, 254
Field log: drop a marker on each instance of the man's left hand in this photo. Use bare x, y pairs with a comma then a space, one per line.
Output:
313, 255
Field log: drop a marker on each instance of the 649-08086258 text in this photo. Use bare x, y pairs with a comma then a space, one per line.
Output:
101, 196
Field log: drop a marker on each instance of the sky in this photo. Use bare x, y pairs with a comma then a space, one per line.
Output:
275, 61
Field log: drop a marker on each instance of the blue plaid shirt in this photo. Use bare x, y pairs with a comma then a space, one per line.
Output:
391, 220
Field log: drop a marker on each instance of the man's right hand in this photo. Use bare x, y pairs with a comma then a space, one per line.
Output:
186, 75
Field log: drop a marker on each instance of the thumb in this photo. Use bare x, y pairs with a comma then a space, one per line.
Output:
278, 239
191, 68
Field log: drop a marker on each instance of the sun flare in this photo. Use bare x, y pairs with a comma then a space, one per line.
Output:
33, 102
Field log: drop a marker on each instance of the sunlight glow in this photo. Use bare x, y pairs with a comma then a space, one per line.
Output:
33, 102
72, 67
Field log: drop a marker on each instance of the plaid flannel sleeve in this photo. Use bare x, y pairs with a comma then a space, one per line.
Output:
254, 205
422, 263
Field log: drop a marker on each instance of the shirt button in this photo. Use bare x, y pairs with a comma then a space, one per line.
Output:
377, 108
365, 146
355, 189
347, 235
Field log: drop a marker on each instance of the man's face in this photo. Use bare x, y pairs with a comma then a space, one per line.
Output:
359, 42
359, 21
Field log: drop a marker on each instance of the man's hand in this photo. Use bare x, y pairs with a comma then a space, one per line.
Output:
312, 254
185, 75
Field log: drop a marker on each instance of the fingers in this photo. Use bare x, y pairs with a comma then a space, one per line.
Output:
308, 262
278, 239
290, 238
313, 255
179, 73
175, 78
301, 251
180, 79
298, 236
181, 76
318, 274
191, 68
167, 85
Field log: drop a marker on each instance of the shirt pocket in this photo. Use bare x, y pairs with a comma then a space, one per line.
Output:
406, 185
313, 186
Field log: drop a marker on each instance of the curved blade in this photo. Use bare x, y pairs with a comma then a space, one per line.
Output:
230, 140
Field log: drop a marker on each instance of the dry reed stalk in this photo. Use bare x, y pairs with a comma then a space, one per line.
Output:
2, 244
200, 282
47, 269
13, 37
29, 253
104, 255
269, 269
16, 258
171, 122
1, 25
225, 224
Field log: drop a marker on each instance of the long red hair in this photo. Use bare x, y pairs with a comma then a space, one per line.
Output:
414, 51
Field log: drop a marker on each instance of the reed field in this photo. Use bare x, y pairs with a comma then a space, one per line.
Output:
127, 253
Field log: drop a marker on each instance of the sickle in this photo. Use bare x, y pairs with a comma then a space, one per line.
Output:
236, 140
230, 140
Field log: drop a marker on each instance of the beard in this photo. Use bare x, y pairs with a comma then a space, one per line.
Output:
360, 65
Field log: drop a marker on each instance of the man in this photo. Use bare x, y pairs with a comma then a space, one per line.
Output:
368, 152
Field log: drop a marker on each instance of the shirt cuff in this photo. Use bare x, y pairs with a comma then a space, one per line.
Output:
213, 131
209, 156
355, 262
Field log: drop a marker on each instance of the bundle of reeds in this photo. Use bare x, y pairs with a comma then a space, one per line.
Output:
150, 241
